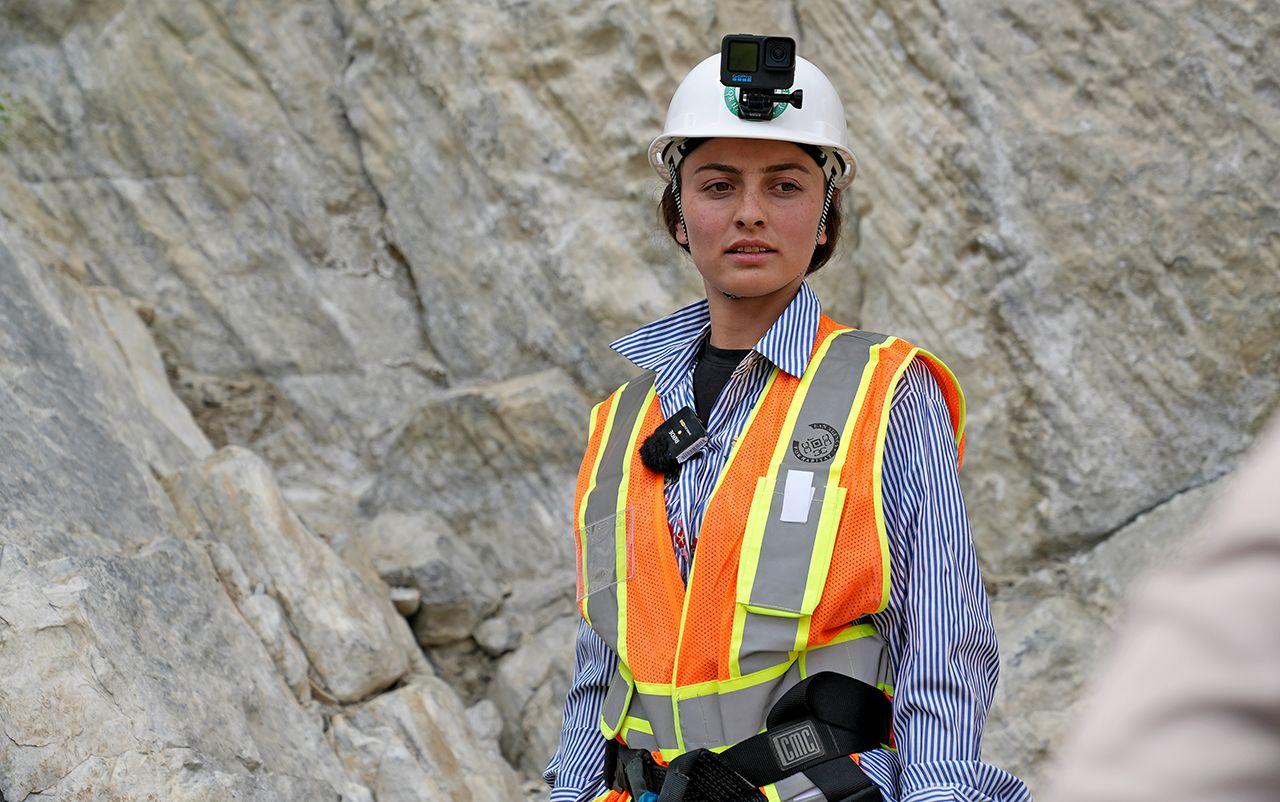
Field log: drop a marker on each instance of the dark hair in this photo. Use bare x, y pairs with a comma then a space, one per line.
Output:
670, 216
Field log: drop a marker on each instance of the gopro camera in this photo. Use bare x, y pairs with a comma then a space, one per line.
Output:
758, 67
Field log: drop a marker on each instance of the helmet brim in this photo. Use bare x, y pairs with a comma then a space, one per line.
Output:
659, 145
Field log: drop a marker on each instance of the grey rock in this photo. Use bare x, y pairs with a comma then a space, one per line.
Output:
465, 666
1106, 574
415, 743
485, 721
491, 463
529, 689
346, 627
147, 679
1054, 624
159, 661
457, 589
406, 600
146, 369
267, 619
497, 637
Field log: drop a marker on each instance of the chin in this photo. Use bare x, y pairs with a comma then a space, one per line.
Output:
749, 282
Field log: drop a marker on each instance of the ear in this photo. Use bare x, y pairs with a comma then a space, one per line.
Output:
682, 236
822, 238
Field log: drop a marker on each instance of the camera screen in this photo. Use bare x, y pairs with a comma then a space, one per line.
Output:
743, 56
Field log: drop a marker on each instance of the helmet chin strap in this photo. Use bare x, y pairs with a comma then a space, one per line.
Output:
822, 221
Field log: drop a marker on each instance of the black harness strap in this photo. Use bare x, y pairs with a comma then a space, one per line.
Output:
842, 780
813, 728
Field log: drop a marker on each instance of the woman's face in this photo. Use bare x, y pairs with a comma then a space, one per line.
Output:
763, 190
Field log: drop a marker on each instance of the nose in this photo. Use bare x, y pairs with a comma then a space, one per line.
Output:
750, 210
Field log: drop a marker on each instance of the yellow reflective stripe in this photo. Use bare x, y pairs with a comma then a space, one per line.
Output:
773, 611
955, 382
655, 688
716, 687
621, 529
635, 724
847, 634
793, 412
824, 544
749, 556
828, 527
771, 793
684, 611
595, 473
852, 633
877, 476
719, 686
610, 732
747, 564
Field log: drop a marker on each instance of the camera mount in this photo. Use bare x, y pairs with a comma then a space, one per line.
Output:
762, 69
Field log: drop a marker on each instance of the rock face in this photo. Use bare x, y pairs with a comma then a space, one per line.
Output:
298, 299
194, 644
345, 627
383, 742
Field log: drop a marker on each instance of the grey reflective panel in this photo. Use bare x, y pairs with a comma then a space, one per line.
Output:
615, 701
656, 709
793, 786
744, 711
700, 721
602, 501
728, 717
790, 678
637, 739
865, 658
767, 640
787, 546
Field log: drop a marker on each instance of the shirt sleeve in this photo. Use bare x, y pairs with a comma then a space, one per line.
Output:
937, 625
575, 771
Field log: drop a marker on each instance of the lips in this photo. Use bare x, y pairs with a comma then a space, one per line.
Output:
750, 246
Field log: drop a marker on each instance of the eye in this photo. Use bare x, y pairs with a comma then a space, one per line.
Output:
719, 186
794, 187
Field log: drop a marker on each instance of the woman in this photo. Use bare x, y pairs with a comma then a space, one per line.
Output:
815, 551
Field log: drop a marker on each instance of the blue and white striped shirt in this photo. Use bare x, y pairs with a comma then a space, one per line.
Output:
937, 624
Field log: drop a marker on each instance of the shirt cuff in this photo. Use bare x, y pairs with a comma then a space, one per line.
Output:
961, 781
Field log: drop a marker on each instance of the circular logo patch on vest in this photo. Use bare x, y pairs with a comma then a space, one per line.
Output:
731, 100
819, 446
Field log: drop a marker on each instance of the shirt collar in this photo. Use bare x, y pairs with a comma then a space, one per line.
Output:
669, 344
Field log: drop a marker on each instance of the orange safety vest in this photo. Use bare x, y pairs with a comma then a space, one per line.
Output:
791, 556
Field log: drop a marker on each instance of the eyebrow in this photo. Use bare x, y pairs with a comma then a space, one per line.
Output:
773, 168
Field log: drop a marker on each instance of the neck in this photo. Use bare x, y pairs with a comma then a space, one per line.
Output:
741, 322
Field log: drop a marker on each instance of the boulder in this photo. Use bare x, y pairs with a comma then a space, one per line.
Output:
346, 627
529, 689
416, 743
456, 589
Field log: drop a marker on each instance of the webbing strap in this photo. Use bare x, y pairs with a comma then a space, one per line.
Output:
842, 780
837, 699
813, 728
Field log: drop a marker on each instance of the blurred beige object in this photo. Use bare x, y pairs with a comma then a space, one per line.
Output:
1187, 705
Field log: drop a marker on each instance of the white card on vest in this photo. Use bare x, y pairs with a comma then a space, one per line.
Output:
797, 495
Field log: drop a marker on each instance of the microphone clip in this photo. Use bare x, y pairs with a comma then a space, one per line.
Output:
678, 439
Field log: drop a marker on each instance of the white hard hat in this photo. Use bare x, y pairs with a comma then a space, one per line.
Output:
704, 107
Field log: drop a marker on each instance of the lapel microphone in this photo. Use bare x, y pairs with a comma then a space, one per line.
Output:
679, 438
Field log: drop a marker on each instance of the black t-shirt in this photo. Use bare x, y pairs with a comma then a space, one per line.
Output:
710, 374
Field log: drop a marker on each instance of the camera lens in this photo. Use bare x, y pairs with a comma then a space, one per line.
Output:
779, 54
